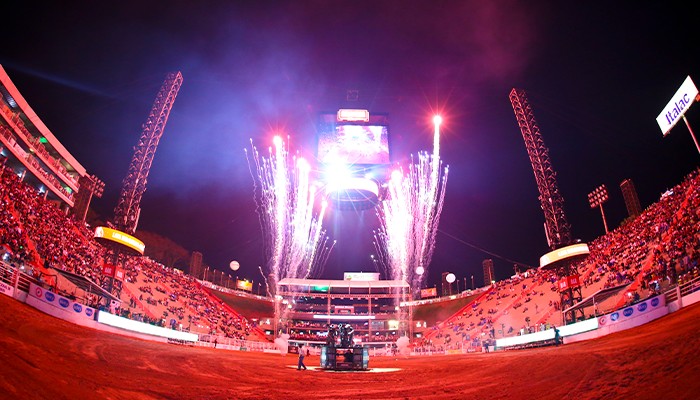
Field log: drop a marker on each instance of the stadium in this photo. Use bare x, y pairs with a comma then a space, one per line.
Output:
84, 305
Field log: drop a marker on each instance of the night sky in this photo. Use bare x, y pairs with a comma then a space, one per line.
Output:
596, 74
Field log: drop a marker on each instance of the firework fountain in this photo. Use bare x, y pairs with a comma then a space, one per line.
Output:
410, 214
295, 242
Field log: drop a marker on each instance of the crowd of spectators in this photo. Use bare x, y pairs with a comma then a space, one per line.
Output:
659, 248
37, 234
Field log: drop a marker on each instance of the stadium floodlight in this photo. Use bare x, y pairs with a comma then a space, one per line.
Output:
596, 198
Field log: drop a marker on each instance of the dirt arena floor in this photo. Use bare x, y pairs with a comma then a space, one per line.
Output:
42, 357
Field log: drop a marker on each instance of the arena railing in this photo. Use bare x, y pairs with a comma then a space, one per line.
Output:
221, 342
7, 275
682, 290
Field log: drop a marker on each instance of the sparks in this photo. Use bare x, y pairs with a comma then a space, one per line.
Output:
295, 241
410, 214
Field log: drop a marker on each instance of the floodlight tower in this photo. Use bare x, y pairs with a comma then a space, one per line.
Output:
596, 198
555, 224
126, 214
564, 255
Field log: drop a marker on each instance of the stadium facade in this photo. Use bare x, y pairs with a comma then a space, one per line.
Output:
35, 154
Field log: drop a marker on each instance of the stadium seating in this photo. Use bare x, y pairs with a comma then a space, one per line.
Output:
659, 248
39, 235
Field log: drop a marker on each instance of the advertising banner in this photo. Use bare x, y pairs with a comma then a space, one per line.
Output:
6, 289
245, 285
573, 281
108, 270
361, 276
676, 108
563, 284
60, 302
632, 311
427, 293
119, 274
113, 235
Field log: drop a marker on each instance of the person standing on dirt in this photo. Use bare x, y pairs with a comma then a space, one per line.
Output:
300, 350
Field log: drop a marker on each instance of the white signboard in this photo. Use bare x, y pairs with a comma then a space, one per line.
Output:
360, 276
7, 289
678, 105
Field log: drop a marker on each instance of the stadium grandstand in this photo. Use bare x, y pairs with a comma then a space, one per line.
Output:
46, 240
30, 149
46, 243
649, 255
374, 309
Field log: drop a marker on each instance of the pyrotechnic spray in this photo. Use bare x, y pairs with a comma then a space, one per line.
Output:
285, 197
410, 214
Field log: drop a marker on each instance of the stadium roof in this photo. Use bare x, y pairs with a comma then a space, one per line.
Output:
86, 285
597, 297
342, 283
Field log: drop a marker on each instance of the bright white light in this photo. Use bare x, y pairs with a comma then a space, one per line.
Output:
135, 326
337, 173
450, 278
420, 270
303, 165
344, 317
437, 120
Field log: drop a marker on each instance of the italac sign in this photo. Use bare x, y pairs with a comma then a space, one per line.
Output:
678, 105
120, 237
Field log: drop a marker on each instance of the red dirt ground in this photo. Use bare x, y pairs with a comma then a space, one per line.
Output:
46, 358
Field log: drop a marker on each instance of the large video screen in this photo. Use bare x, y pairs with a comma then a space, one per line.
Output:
354, 144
